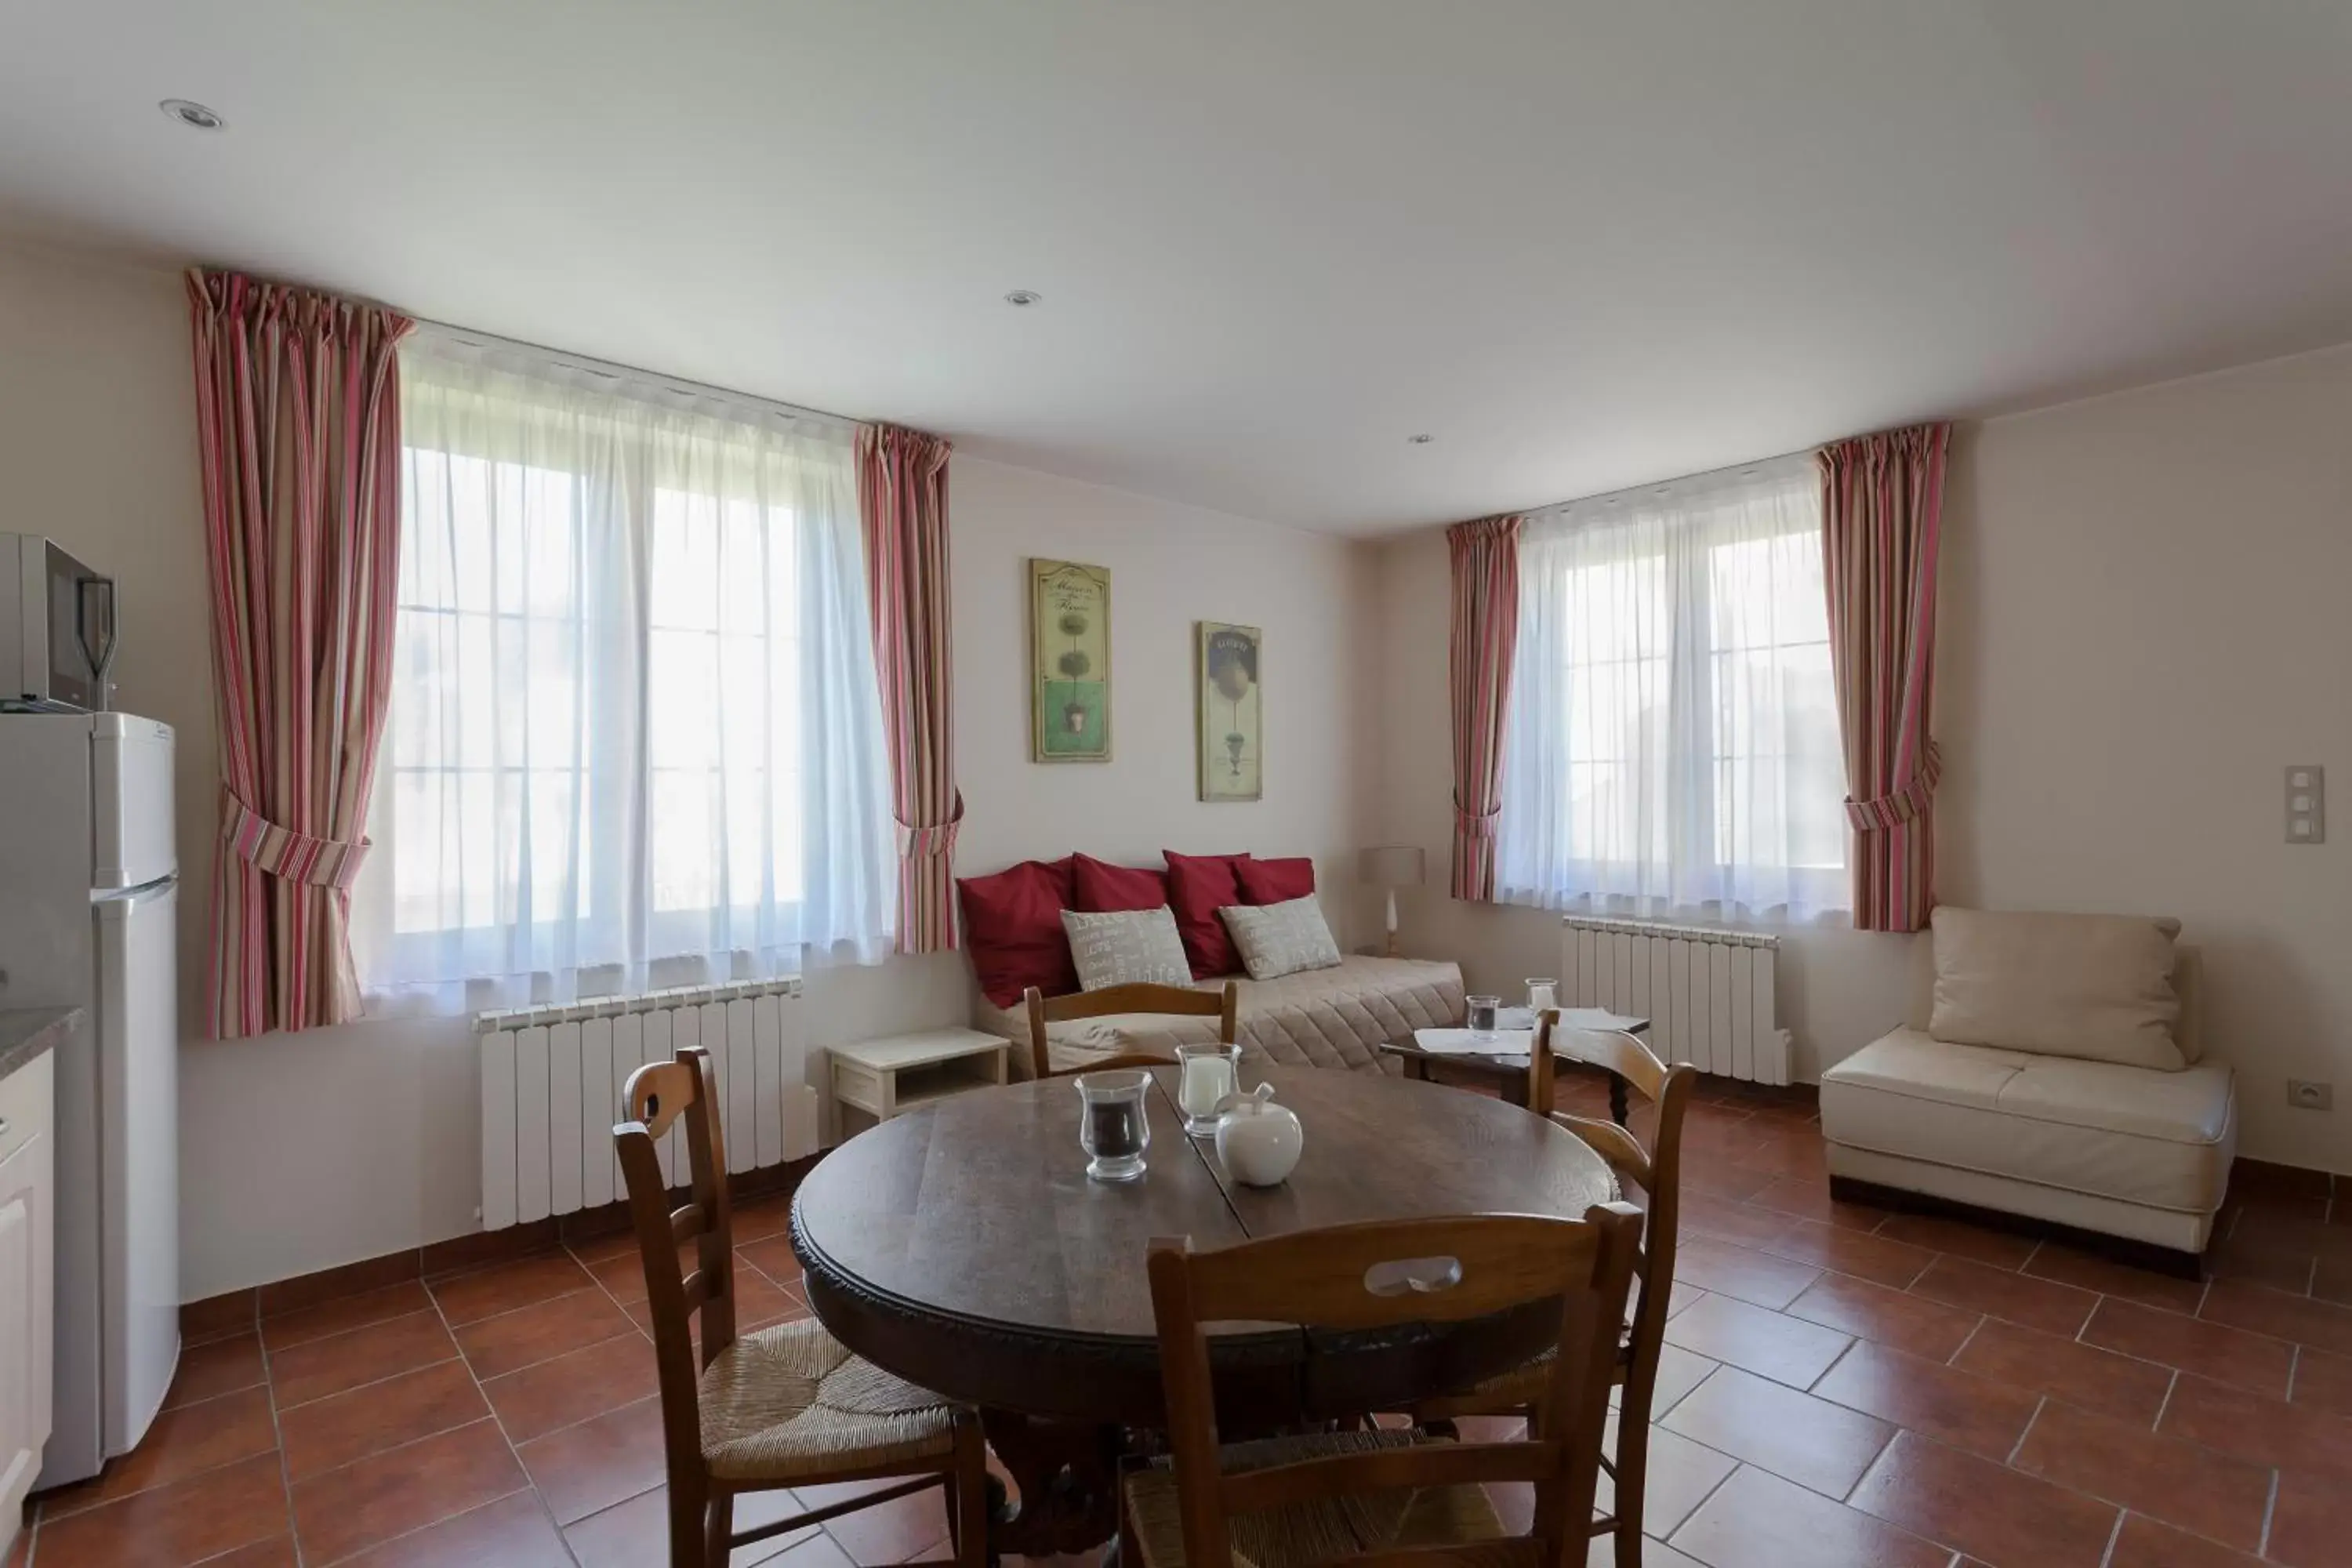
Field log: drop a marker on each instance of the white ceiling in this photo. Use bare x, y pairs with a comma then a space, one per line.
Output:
1583, 243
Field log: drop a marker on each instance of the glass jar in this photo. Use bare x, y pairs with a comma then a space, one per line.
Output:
1207, 1074
1543, 996
1113, 1128
1484, 1011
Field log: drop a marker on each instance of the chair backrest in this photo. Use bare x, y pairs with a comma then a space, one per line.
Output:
658, 1097
1656, 1168
1139, 996
1462, 1268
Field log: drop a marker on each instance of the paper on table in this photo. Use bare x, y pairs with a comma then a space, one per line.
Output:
1597, 1018
1569, 1018
1463, 1042
1516, 1036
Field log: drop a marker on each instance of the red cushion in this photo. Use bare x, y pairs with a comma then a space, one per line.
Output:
1198, 887
1276, 881
1102, 888
1012, 926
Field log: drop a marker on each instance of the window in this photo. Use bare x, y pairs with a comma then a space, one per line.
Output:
622, 615
1672, 740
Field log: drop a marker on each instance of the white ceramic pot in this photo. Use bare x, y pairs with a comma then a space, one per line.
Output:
1257, 1140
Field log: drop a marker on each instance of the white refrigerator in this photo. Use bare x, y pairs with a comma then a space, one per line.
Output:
88, 899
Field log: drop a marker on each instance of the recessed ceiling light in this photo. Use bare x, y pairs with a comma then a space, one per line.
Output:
1421, 440
1025, 298
194, 116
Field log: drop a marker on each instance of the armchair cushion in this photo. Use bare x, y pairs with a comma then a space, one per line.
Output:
2094, 987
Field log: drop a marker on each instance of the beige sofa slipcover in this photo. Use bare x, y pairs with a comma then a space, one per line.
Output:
1336, 1017
2133, 1152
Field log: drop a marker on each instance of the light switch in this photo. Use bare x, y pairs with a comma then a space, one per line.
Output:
2306, 803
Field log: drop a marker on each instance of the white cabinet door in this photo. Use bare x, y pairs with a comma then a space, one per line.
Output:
25, 1282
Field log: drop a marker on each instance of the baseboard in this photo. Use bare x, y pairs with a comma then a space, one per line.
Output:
235, 1311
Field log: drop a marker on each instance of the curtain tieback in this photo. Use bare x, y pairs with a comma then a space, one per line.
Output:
1906, 804
939, 840
280, 852
1475, 824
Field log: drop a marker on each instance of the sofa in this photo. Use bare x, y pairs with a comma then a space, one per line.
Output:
1334, 1017
2052, 1068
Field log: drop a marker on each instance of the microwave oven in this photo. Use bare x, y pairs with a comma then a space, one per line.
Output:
56, 628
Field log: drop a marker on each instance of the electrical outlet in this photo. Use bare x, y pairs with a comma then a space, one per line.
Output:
2305, 1095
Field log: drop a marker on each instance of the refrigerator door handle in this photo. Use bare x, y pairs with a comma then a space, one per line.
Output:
114, 903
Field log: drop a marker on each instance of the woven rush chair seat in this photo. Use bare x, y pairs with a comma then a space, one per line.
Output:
790, 1401
1299, 1535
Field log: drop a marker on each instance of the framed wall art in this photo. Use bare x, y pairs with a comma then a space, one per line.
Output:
1069, 662
1228, 723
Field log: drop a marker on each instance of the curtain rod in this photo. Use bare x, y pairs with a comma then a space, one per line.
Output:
607, 370
1660, 487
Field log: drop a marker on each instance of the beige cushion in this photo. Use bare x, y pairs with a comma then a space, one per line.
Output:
1125, 947
2161, 1139
2097, 987
2188, 984
790, 1401
1275, 939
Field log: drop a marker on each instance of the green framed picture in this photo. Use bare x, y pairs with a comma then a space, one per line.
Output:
1229, 729
1069, 662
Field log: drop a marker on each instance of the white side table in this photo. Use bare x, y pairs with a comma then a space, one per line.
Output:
883, 1078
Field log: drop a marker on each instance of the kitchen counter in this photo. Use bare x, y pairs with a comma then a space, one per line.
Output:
26, 1032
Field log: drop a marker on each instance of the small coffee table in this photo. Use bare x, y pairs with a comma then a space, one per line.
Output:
1507, 1070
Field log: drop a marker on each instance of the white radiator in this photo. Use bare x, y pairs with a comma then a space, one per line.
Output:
1706, 993
552, 1080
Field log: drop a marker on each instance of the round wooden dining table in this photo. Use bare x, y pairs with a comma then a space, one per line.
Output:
962, 1246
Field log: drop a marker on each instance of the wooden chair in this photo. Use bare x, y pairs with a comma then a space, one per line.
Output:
1140, 996
1382, 1496
1657, 1172
781, 1407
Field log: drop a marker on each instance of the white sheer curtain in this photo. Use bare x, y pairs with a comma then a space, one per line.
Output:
635, 735
1672, 745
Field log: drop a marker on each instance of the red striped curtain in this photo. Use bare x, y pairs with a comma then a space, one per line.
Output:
298, 419
1882, 513
1485, 626
902, 498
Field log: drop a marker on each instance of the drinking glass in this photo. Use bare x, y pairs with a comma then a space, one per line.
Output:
1483, 1010
1207, 1074
1112, 1127
1542, 995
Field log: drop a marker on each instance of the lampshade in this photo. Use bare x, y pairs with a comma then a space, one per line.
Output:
1391, 866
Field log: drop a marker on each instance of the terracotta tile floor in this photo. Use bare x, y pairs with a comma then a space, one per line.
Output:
1842, 1386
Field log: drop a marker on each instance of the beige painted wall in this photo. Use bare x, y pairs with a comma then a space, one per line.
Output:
2144, 620
1171, 565
301, 1151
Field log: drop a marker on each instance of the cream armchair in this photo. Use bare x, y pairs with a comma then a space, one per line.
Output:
2052, 1068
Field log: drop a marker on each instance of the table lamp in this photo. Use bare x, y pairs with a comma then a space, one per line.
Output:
1391, 866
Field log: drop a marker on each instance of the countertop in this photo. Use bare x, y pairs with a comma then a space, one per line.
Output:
26, 1032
